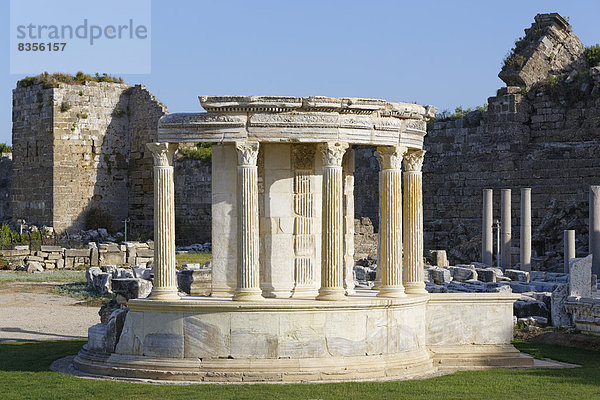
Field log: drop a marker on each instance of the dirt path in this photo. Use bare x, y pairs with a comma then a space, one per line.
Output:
29, 312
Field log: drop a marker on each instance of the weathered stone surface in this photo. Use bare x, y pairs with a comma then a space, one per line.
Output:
559, 314
527, 306
195, 282
580, 277
90, 275
34, 266
486, 275
440, 275
462, 274
168, 345
516, 275
131, 288
77, 252
102, 282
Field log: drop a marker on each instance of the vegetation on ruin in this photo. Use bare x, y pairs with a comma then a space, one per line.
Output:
514, 59
200, 151
592, 55
459, 112
24, 373
4, 148
55, 79
65, 106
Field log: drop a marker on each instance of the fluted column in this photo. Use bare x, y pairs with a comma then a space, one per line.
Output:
412, 271
390, 225
165, 278
332, 246
377, 282
248, 279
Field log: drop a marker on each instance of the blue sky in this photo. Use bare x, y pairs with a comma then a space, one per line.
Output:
445, 53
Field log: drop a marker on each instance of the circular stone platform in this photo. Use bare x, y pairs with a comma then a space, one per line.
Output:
207, 340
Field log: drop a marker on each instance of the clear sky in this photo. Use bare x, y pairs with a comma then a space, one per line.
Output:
445, 53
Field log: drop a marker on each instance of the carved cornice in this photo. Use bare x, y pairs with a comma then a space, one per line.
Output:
391, 156
247, 153
413, 160
162, 153
333, 153
303, 156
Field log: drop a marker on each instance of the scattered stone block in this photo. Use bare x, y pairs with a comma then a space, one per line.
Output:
440, 275
462, 274
580, 279
141, 272
34, 267
527, 307
131, 288
440, 257
90, 274
77, 252
558, 313
102, 282
516, 275
51, 249
195, 282
60, 263
485, 275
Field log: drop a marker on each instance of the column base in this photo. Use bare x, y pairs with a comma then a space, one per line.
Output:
391, 291
331, 294
376, 284
163, 293
248, 295
415, 288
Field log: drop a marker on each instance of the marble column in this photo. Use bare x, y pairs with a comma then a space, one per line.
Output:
165, 276
412, 270
248, 279
348, 178
594, 228
377, 282
525, 234
569, 248
506, 230
390, 225
332, 245
487, 238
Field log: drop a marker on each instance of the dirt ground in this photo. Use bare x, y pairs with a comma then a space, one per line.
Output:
28, 311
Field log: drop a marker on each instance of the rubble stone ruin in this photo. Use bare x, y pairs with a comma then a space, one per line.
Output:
282, 307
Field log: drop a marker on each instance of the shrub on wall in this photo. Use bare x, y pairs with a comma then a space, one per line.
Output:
592, 55
201, 151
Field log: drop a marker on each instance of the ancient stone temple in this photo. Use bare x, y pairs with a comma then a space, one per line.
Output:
283, 307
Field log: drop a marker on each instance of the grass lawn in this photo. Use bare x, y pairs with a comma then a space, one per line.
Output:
62, 275
24, 374
193, 258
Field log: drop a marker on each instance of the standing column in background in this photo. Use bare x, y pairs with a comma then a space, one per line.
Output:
412, 271
525, 236
487, 238
248, 280
165, 278
505, 227
569, 248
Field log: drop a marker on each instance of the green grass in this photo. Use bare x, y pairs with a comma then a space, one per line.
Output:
48, 276
193, 258
24, 374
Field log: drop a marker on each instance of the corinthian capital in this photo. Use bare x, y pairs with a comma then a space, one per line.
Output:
391, 156
333, 152
162, 153
413, 160
247, 153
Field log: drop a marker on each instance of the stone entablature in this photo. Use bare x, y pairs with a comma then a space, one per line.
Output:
299, 119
